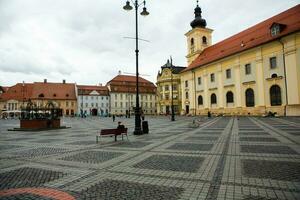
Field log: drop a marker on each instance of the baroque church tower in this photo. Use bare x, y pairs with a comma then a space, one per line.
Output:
199, 37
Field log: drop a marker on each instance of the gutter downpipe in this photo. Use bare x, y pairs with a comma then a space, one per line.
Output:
285, 78
195, 93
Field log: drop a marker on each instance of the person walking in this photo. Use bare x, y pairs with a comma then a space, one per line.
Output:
114, 118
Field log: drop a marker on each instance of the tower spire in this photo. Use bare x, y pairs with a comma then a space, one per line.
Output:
198, 21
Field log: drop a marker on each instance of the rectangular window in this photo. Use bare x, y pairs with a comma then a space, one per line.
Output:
212, 77
67, 104
116, 96
186, 84
72, 104
166, 87
167, 96
273, 63
199, 81
86, 105
86, 97
121, 104
92, 97
116, 104
228, 73
247, 69
92, 104
174, 87
97, 105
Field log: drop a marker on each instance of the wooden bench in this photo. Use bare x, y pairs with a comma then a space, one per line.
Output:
112, 132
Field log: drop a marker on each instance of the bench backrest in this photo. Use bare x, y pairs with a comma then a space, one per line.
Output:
113, 131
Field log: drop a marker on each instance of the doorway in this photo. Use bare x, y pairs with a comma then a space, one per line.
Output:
94, 112
187, 109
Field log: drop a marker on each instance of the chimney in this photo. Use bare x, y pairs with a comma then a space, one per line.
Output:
120, 73
100, 84
45, 80
64, 81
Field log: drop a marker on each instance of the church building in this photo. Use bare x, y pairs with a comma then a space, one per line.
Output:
254, 72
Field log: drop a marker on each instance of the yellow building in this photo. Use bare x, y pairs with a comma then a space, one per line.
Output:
167, 78
251, 73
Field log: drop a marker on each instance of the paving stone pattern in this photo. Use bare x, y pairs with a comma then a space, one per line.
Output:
132, 144
224, 158
25, 197
191, 147
92, 156
171, 163
278, 170
258, 139
5, 147
42, 151
27, 177
267, 149
88, 142
111, 189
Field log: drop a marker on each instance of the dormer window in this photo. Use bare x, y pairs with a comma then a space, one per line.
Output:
54, 95
276, 29
67, 95
41, 95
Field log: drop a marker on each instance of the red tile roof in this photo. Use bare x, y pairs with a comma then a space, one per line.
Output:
125, 78
250, 38
127, 84
18, 92
87, 89
49, 91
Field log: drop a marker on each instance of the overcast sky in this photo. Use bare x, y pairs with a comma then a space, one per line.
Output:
83, 41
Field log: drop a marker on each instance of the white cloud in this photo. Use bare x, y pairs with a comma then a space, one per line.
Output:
83, 40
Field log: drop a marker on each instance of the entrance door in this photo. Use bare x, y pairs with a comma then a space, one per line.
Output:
94, 112
167, 110
187, 109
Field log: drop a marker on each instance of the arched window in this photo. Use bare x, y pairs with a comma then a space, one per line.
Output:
213, 99
229, 97
186, 95
192, 42
200, 100
275, 95
204, 40
249, 98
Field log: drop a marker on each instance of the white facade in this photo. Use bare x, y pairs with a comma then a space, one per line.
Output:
93, 104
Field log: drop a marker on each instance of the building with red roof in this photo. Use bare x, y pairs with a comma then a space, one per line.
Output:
122, 89
251, 73
93, 100
63, 95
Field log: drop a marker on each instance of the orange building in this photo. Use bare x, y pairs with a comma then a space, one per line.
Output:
63, 95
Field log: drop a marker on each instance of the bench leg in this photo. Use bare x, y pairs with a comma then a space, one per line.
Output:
115, 138
127, 137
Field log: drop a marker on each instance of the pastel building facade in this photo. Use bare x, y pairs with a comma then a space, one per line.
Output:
122, 89
251, 73
93, 100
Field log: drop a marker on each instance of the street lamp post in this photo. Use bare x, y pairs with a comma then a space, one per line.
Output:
172, 103
128, 7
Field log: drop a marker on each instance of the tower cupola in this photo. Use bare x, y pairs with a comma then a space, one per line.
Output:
198, 21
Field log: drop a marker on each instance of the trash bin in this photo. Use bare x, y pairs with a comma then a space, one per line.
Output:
145, 127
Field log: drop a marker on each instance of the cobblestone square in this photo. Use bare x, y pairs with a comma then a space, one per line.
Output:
224, 158
92, 156
171, 163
